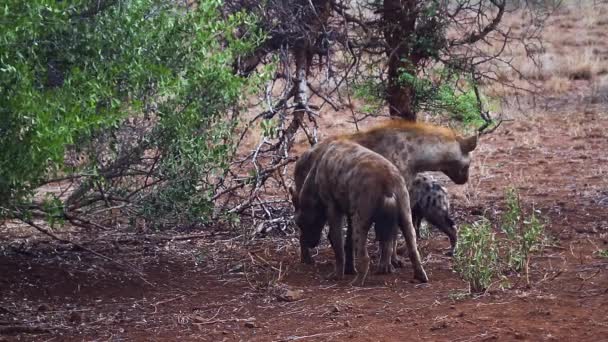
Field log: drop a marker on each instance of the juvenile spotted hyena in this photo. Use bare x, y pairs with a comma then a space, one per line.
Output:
429, 201
411, 147
350, 180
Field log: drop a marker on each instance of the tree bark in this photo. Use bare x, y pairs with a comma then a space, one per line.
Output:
400, 32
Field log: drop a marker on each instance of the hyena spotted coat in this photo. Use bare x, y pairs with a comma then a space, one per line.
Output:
429, 201
411, 147
350, 180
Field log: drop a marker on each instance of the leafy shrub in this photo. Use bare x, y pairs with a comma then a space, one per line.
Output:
136, 89
524, 234
477, 257
481, 256
445, 93
372, 94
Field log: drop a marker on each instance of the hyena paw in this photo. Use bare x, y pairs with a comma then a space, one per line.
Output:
421, 276
307, 259
358, 281
335, 276
397, 262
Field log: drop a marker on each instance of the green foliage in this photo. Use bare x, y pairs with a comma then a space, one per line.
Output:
482, 257
72, 74
372, 93
523, 234
461, 105
269, 128
477, 257
602, 253
512, 215
445, 93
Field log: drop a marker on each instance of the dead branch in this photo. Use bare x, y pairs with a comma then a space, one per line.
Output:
79, 246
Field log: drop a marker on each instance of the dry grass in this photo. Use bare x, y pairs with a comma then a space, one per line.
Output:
577, 64
580, 65
599, 90
557, 85
574, 42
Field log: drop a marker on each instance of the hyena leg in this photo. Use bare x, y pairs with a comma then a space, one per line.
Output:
360, 230
309, 238
396, 260
416, 221
386, 251
349, 267
336, 238
306, 257
447, 226
407, 228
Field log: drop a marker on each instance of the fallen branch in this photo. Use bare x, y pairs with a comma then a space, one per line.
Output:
225, 320
295, 338
77, 245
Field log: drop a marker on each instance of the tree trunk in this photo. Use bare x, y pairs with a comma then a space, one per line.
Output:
400, 33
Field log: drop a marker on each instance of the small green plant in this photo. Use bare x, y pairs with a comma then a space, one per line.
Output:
477, 258
602, 253
512, 215
481, 257
523, 233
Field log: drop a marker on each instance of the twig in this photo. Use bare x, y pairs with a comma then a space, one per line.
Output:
295, 338
155, 305
77, 245
225, 320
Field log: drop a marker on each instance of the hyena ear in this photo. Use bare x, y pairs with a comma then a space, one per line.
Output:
468, 144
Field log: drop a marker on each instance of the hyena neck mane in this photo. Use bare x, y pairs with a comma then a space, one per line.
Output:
416, 147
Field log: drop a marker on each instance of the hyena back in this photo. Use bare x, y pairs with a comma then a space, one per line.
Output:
350, 180
429, 201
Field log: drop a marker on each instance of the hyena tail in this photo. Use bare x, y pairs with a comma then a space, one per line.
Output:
386, 219
407, 228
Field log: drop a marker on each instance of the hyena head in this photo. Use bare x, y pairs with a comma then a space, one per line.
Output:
457, 162
310, 216
448, 153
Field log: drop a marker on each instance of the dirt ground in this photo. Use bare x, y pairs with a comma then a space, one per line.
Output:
222, 285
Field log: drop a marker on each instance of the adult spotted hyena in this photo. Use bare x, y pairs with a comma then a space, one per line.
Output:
429, 201
350, 180
411, 147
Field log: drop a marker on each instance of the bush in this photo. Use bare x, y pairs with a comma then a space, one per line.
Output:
136, 90
476, 259
481, 257
524, 234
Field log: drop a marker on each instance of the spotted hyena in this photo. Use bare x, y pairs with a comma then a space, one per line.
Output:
350, 180
429, 201
411, 147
